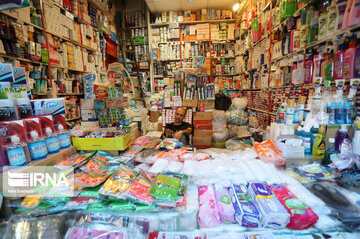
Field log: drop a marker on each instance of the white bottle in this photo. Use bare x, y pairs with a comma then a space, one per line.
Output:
37, 146
290, 113
52, 141
63, 137
17, 152
356, 142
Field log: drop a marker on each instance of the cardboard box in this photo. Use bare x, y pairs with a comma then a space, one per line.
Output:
190, 103
154, 116
48, 106
203, 116
88, 115
203, 133
6, 73
90, 123
209, 104
202, 142
87, 104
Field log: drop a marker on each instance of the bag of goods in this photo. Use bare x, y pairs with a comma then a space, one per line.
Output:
246, 213
74, 161
139, 189
268, 153
273, 213
208, 212
165, 190
301, 216
225, 207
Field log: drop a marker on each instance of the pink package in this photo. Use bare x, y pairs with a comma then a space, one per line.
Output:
301, 216
140, 141
208, 212
225, 206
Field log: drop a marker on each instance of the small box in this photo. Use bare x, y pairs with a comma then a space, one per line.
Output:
87, 104
19, 75
203, 133
90, 124
202, 142
190, 103
48, 106
38, 49
6, 73
154, 116
203, 116
88, 115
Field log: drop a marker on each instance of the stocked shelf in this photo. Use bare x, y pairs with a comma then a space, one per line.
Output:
73, 119
75, 94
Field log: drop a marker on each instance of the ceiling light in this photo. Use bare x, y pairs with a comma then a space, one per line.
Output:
236, 6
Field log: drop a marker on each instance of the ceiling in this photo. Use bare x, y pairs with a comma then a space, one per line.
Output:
158, 6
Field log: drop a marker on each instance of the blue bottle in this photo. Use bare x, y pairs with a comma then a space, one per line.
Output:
339, 114
332, 113
307, 139
347, 113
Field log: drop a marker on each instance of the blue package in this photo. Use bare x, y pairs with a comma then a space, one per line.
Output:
19, 75
6, 73
246, 213
48, 106
89, 91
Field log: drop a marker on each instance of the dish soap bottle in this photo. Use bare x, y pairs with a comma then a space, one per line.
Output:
342, 141
17, 152
37, 146
318, 150
64, 138
52, 141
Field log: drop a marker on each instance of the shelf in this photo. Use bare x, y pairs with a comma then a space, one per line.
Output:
162, 24
41, 94
223, 57
28, 23
73, 119
252, 89
98, 5
260, 110
207, 21
77, 94
137, 27
229, 75
21, 59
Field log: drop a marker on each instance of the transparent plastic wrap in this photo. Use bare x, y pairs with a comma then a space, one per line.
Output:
188, 217
208, 213
225, 207
258, 171
268, 153
219, 135
205, 168
219, 121
148, 156
159, 166
174, 167
249, 153
234, 144
190, 167
247, 173
220, 166
47, 226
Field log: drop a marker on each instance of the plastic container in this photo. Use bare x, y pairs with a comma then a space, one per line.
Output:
339, 62
356, 142
354, 17
17, 152
345, 23
318, 149
63, 137
306, 137
52, 141
342, 141
37, 147
349, 61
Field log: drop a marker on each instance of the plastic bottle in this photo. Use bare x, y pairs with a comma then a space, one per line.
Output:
332, 17
37, 146
309, 68
347, 113
307, 110
282, 114
329, 67
64, 138
329, 151
306, 137
322, 25
342, 141
52, 141
349, 61
317, 65
356, 142
345, 23
299, 112
290, 112
339, 62
339, 113
318, 150
357, 63
354, 17
309, 18
332, 114
17, 152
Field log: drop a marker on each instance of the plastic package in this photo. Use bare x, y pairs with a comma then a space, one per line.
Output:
208, 213
174, 167
205, 168
246, 213
170, 144
268, 153
165, 188
273, 213
301, 216
191, 209
74, 161
225, 207
172, 154
89, 179
148, 156
190, 167
138, 191
159, 166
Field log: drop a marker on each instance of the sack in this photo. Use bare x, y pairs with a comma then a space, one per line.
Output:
222, 102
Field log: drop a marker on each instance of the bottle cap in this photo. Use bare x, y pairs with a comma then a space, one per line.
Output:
15, 139
331, 140
48, 130
34, 134
61, 127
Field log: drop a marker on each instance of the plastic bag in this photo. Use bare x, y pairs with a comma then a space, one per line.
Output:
165, 188
301, 216
225, 207
174, 167
208, 211
148, 156
268, 153
159, 166
220, 136
138, 191
174, 154
190, 167
89, 179
170, 143
74, 161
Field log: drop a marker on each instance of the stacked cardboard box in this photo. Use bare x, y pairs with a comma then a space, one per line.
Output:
202, 129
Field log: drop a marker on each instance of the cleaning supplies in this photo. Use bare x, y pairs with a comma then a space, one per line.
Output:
339, 113
52, 141
322, 25
306, 137
331, 19
354, 17
342, 141
17, 152
349, 59
357, 63
356, 139
282, 114
317, 65
63, 137
347, 113
290, 112
318, 149
37, 146
332, 113
339, 62
309, 68
299, 112
345, 23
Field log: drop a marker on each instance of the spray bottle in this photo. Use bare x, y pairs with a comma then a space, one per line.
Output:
318, 150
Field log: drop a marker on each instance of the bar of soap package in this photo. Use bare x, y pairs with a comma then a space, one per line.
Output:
273, 213
246, 213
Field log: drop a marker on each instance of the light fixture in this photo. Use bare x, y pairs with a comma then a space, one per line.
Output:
236, 6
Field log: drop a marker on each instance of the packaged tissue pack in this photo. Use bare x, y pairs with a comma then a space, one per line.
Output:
208, 212
273, 213
246, 213
301, 216
225, 207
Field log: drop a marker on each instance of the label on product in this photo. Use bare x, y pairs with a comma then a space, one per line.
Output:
290, 116
346, 146
307, 145
53, 145
332, 14
16, 156
38, 150
64, 140
296, 116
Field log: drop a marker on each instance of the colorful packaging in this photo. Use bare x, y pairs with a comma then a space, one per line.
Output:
100, 91
10, 128
273, 213
48, 106
138, 191
165, 188
88, 179
268, 153
301, 216
246, 213
225, 207
208, 211
74, 161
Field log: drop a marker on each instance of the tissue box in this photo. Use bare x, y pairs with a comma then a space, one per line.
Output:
48, 106
246, 213
6, 73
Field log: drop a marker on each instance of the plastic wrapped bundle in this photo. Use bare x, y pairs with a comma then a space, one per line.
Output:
273, 213
225, 207
246, 213
301, 216
208, 213
191, 211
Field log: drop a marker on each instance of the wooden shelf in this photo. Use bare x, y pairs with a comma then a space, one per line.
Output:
229, 75
73, 119
75, 94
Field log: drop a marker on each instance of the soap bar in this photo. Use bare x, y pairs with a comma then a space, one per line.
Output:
273, 213
225, 207
246, 213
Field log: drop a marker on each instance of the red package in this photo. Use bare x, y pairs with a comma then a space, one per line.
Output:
301, 216
268, 153
10, 128
138, 191
59, 120
33, 124
47, 121
100, 91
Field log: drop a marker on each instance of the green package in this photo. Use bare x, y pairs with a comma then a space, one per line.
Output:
165, 188
90, 192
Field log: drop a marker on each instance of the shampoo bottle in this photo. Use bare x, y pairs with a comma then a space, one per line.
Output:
342, 141
349, 60
332, 113
37, 146
309, 69
357, 63
52, 141
323, 25
318, 150
347, 113
332, 19
306, 137
345, 23
17, 152
354, 17
339, 62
